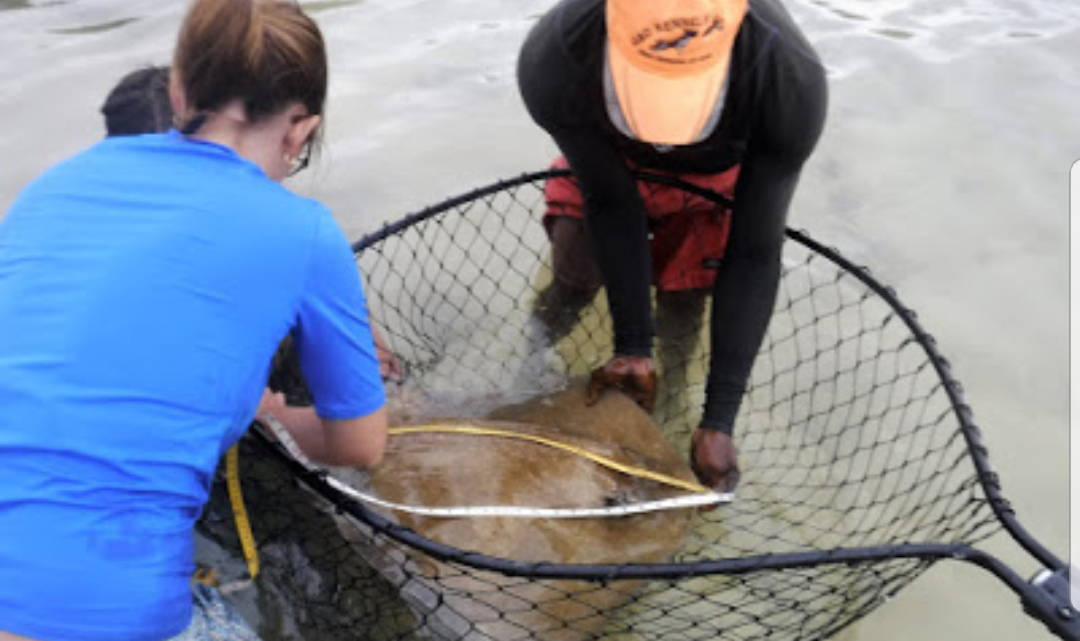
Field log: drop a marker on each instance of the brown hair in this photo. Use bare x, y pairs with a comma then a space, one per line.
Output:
266, 53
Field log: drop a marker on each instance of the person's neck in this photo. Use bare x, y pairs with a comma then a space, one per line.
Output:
257, 142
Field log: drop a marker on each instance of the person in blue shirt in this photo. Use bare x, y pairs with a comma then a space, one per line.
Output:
145, 284
139, 103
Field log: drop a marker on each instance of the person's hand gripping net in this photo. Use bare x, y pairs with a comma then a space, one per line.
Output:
714, 459
634, 376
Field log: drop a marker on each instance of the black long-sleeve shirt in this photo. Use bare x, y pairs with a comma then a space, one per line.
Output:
773, 113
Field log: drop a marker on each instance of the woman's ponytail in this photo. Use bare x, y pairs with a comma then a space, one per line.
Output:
266, 53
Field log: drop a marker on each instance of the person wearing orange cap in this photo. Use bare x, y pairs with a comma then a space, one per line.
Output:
726, 94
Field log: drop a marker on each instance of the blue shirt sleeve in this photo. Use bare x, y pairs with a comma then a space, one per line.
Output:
333, 333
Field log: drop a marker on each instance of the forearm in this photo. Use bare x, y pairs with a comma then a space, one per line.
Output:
355, 442
743, 302
305, 427
618, 234
624, 259
744, 293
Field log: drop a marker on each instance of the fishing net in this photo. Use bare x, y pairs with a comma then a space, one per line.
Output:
861, 464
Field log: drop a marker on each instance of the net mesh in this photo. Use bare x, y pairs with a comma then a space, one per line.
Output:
847, 440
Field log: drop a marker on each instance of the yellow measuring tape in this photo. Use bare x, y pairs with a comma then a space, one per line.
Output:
525, 436
243, 523
236, 498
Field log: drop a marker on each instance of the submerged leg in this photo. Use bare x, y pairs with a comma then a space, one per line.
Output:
558, 306
575, 279
679, 317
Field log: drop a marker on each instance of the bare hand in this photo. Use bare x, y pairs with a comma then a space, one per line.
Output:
389, 366
713, 458
635, 376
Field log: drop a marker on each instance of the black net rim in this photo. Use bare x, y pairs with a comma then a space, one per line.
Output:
987, 479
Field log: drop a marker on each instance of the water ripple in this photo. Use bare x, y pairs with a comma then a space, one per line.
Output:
937, 31
94, 28
9, 5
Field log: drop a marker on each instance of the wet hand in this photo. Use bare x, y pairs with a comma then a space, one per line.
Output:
634, 376
390, 367
713, 458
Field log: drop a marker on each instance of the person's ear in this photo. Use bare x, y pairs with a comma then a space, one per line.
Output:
301, 128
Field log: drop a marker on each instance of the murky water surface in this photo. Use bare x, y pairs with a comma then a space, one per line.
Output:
944, 167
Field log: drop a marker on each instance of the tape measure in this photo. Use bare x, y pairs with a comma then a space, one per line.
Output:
208, 576
700, 497
243, 524
692, 500
525, 436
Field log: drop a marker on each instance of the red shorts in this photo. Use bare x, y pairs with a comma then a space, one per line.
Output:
688, 232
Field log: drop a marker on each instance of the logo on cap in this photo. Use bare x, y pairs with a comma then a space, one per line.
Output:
683, 40
677, 41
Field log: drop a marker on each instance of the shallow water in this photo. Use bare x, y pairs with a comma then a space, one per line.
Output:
944, 167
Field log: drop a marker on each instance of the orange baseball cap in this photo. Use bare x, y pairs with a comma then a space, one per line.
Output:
668, 62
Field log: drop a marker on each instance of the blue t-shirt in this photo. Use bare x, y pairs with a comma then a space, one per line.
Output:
144, 286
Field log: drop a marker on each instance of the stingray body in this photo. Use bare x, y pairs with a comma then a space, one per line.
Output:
440, 469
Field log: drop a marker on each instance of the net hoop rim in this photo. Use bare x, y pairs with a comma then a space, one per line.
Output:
977, 450
317, 480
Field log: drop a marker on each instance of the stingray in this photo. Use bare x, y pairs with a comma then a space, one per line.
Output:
443, 469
